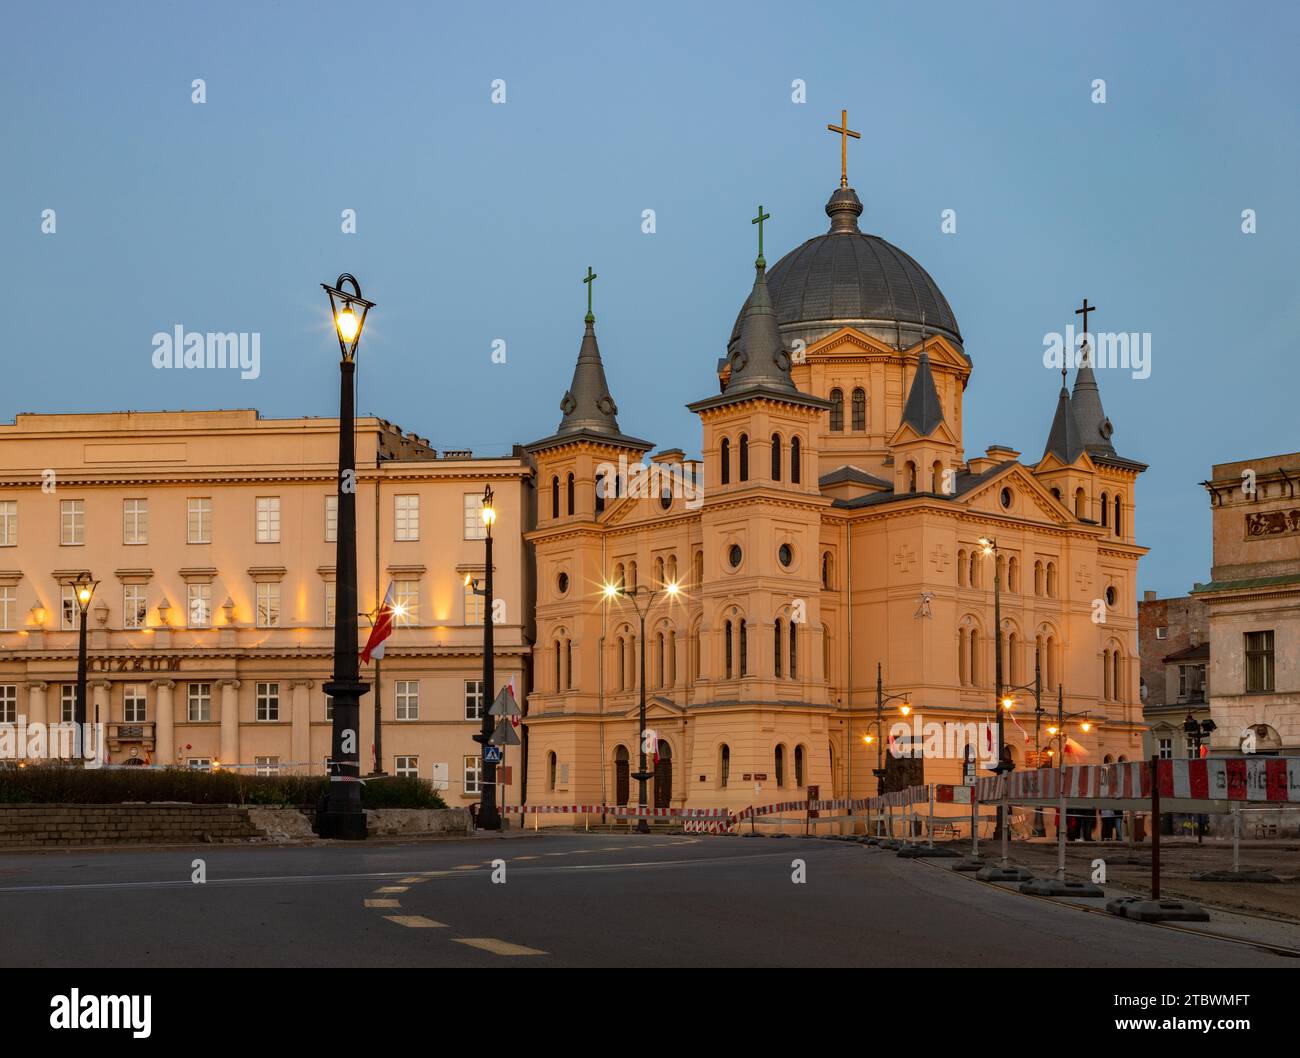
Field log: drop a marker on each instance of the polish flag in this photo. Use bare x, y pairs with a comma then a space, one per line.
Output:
514, 720
381, 631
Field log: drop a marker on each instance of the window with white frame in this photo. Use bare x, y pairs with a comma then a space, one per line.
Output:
72, 522
408, 767
473, 699
406, 599
134, 606
198, 698
68, 703
329, 707
135, 521
69, 611
329, 603
266, 765
1166, 748
473, 774
408, 699
473, 605
198, 520
8, 703
268, 701
474, 527
8, 607
1162, 631
198, 607
8, 523
135, 707
331, 519
200, 763
406, 517
268, 519
268, 603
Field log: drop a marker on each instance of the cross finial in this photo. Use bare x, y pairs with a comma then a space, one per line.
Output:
845, 132
760, 263
1084, 313
590, 318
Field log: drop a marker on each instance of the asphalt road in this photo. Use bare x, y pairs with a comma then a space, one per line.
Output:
567, 900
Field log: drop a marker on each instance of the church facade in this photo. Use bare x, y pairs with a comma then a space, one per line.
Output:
825, 551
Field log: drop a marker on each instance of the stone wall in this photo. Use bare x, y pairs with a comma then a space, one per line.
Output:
123, 824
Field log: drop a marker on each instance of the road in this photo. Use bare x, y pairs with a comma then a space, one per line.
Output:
567, 900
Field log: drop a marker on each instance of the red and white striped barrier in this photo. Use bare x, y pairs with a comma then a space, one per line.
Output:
703, 826
620, 811
1272, 779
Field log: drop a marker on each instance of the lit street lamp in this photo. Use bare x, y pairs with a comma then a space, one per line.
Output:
343, 816
488, 818
84, 589
879, 737
990, 547
615, 591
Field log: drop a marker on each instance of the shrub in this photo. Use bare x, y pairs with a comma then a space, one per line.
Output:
55, 783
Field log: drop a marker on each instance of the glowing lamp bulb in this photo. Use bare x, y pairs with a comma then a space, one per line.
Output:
347, 323
905, 709
489, 515
1085, 727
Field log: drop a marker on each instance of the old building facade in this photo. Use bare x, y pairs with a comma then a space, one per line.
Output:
212, 537
830, 530
1174, 645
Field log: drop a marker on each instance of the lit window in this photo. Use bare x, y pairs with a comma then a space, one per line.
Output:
268, 604
69, 611
408, 699
72, 522
406, 517
198, 520
268, 519
406, 597
474, 527
135, 521
268, 701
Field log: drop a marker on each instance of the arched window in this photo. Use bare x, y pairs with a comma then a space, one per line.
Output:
568, 664
859, 410
963, 658
779, 761
550, 770
1051, 580
724, 765
743, 443
659, 572
698, 570
729, 668
975, 657
559, 676
1039, 587
999, 571
794, 650
936, 478
570, 493
724, 458
1119, 506
620, 577
1013, 575
1013, 658
600, 493
631, 576
826, 654
1105, 509
961, 568
622, 777
1080, 503
911, 476
776, 639
1107, 687
776, 457
1052, 679
837, 411
694, 646
826, 570
744, 647
975, 569
622, 664
672, 569
670, 663
555, 497
798, 765
795, 468
660, 658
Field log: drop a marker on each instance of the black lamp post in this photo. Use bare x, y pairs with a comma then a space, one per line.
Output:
343, 816
1007, 701
84, 591
881, 698
1198, 732
1004, 764
488, 818
616, 591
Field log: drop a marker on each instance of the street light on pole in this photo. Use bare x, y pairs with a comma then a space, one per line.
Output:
990, 547
84, 591
488, 818
616, 591
1198, 732
879, 738
343, 816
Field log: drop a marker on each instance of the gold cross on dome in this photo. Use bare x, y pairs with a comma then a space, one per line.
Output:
845, 132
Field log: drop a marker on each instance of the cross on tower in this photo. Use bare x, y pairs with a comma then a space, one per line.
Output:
1084, 313
759, 221
845, 132
590, 286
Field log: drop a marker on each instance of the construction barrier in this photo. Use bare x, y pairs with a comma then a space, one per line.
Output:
620, 811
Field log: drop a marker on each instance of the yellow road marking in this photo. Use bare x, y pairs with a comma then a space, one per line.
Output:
412, 880
467, 867
435, 874
497, 947
416, 921
526, 857
383, 903
391, 889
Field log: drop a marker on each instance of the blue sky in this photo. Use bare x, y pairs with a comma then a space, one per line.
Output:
476, 221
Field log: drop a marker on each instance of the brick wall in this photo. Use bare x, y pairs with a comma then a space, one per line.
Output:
51, 825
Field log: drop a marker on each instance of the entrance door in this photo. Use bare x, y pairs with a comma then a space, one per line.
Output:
663, 776
622, 782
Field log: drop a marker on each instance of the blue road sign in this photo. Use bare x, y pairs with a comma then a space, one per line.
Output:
491, 754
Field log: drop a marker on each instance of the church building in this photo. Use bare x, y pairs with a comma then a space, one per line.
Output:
829, 537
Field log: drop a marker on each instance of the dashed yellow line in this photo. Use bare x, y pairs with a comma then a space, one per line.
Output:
391, 889
412, 880
467, 867
497, 947
416, 921
527, 857
383, 903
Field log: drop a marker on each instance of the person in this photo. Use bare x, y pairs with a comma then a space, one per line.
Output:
1107, 824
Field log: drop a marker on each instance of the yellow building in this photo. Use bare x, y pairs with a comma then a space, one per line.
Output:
212, 537
832, 527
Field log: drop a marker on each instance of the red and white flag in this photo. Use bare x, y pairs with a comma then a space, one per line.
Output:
382, 629
514, 720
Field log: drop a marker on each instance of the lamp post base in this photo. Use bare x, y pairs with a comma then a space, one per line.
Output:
342, 826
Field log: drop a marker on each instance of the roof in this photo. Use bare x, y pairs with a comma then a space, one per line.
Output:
1199, 652
964, 483
854, 475
923, 412
1064, 439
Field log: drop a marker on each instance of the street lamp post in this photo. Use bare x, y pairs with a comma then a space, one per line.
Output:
1007, 701
881, 698
84, 589
990, 546
613, 591
343, 816
488, 818
372, 617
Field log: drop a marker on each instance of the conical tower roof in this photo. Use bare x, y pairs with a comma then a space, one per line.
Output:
1094, 427
1064, 440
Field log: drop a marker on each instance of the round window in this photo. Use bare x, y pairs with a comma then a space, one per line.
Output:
786, 555
734, 555
562, 582
1005, 497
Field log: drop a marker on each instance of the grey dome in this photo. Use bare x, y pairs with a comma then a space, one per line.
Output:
846, 277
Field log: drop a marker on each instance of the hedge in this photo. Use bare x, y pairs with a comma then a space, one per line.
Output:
72, 784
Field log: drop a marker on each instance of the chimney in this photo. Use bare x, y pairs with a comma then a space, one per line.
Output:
1148, 596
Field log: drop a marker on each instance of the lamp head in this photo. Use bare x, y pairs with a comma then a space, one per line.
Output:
1086, 726
672, 589
489, 511
905, 708
348, 311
